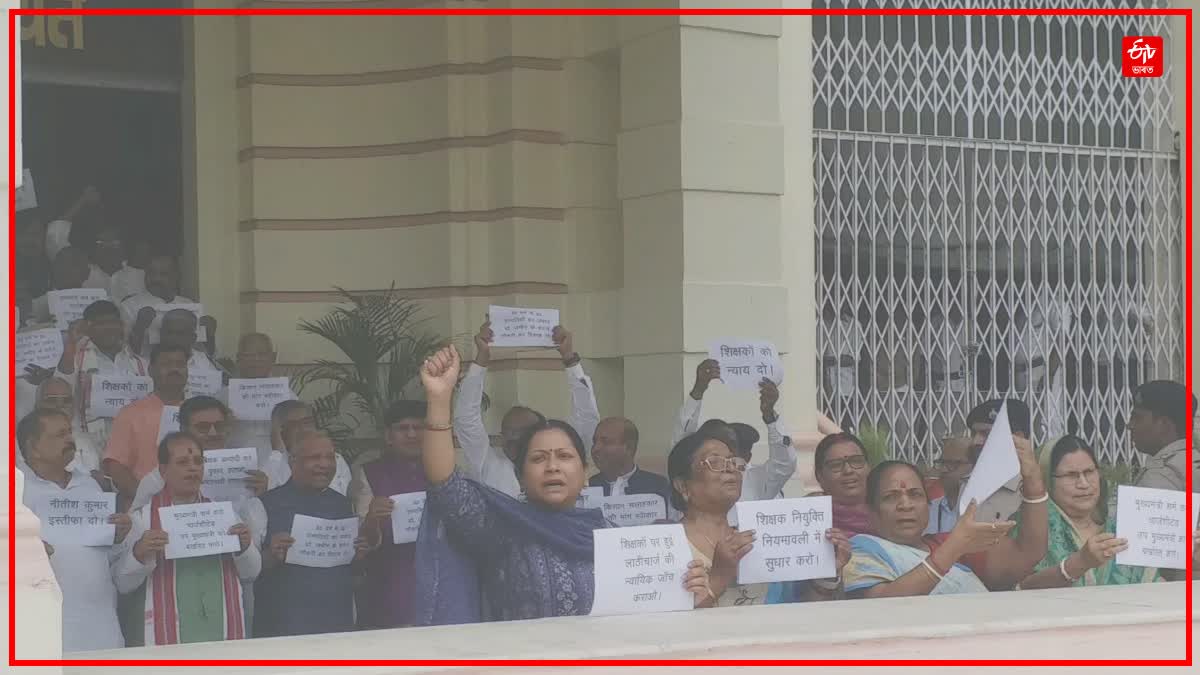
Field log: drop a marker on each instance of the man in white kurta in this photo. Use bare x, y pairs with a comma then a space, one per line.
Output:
255, 361
761, 481
102, 352
492, 465
173, 587
84, 573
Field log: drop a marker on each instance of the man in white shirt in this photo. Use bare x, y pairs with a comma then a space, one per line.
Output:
58, 232
179, 330
108, 266
102, 351
55, 394
84, 573
289, 420
761, 481
493, 466
162, 288
69, 271
255, 360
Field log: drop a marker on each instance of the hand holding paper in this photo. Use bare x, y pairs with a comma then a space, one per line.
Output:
998, 464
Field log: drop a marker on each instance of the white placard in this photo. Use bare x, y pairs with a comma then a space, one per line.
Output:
745, 363
522, 327
169, 422
790, 540
204, 382
225, 473
321, 542
80, 520
633, 510
590, 498
152, 333
110, 392
1152, 521
67, 306
640, 570
26, 194
997, 465
254, 399
406, 516
43, 347
199, 529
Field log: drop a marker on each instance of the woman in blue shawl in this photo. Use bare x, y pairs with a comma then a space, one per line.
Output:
482, 555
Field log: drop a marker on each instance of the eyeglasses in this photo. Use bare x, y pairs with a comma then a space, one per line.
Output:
210, 427
1090, 476
855, 462
57, 401
950, 464
108, 244
721, 464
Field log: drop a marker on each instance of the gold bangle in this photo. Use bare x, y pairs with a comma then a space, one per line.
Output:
437, 427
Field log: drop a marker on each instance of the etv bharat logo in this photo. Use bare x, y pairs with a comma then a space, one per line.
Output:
1142, 56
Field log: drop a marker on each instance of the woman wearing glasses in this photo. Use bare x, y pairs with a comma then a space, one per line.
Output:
1083, 543
840, 465
706, 481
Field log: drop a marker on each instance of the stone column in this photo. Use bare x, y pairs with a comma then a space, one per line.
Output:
715, 183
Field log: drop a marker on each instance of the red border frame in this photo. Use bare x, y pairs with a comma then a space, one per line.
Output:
365, 8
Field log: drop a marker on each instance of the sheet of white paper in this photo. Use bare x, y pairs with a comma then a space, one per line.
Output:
745, 363
152, 333
590, 498
225, 473
1196, 511
255, 399
321, 542
633, 510
67, 306
791, 543
111, 392
997, 463
43, 347
199, 529
169, 422
26, 194
204, 382
406, 516
640, 570
522, 327
1153, 523
78, 520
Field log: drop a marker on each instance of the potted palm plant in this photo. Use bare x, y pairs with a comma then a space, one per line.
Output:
384, 340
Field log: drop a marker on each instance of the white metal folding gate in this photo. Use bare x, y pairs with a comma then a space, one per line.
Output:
998, 210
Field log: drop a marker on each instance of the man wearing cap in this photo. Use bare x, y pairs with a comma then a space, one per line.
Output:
1162, 414
1158, 425
1026, 495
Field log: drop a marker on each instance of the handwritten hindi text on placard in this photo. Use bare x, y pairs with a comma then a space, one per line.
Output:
641, 569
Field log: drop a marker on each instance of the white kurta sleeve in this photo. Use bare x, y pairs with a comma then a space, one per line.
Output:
129, 573
360, 491
249, 562
781, 463
585, 414
469, 429
688, 419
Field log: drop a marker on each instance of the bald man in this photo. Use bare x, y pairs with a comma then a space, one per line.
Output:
614, 449
255, 361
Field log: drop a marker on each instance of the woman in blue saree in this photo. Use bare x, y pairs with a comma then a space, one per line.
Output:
482, 555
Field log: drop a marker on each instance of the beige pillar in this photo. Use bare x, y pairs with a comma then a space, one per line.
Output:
714, 179
216, 254
38, 599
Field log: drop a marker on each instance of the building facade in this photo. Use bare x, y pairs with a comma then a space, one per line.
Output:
925, 211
